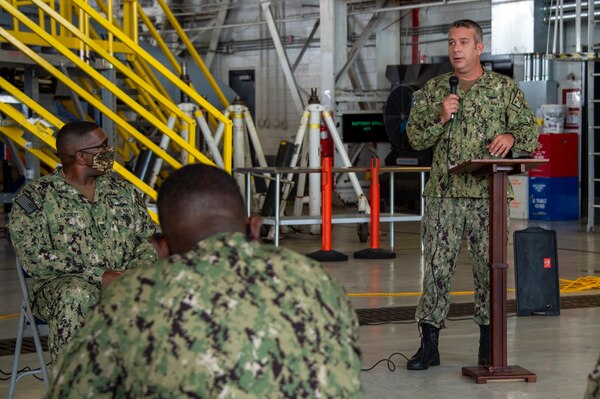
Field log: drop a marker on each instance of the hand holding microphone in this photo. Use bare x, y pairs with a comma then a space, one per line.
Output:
450, 103
453, 84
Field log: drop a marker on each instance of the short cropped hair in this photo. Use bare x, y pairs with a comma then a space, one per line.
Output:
70, 132
467, 23
195, 191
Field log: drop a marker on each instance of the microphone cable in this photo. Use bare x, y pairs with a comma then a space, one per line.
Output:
433, 268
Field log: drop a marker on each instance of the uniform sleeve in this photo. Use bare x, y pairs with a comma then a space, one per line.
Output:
90, 367
33, 242
144, 252
423, 130
593, 386
521, 122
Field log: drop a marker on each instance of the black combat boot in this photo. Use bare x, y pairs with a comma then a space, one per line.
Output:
485, 346
428, 354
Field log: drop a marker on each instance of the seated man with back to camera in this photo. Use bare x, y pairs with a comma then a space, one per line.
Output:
77, 229
223, 316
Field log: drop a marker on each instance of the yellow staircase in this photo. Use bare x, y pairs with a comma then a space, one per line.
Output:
70, 31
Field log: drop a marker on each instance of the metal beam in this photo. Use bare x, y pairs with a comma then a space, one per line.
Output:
358, 44
417, 4
306, 44
331, 55
216, 34
283, 59
74, 97
32, 89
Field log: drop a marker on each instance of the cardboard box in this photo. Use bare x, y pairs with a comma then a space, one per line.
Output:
519, 206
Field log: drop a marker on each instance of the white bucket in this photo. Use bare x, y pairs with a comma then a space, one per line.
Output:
553, 118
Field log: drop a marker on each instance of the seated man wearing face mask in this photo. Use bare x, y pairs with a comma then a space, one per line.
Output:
77, 229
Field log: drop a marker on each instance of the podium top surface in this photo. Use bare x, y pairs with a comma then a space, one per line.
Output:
487, 166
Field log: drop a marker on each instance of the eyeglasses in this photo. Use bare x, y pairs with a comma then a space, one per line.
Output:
104, 147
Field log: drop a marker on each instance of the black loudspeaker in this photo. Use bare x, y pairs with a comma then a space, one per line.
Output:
536, 272
284, 158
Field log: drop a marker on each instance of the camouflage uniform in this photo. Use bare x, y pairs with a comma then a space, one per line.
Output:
232, 318
593, 385
65, 242
458, 203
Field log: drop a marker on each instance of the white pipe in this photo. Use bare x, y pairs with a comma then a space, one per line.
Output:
413, 6
188, 109
297, 148
164, 143
561, 30
208, 139
578, 26
221, 128
239, 134
300, 187
555, 29
260, 155
314, 161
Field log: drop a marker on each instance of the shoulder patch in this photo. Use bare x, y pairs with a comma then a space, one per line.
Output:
26, 203
419, 100
517, 101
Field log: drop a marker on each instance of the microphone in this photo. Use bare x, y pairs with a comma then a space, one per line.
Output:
453, 84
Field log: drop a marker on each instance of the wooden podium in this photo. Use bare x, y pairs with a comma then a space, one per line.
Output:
498, 171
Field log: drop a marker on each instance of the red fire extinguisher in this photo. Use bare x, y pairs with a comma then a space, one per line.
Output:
326, 140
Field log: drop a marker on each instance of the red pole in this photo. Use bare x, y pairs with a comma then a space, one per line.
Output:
375, 210
415, 38
327, 190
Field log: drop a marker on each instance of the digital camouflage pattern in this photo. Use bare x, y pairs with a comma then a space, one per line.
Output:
494, 105
457, 204
65, 242
593, 385
232, 318
444, 222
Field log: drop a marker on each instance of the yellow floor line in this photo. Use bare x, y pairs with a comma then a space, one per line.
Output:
376, 294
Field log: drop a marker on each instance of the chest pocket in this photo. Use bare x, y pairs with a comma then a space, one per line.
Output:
120, 211
491, 106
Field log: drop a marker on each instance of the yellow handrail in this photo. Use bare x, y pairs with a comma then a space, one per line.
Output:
16, 134
90, 98
47, 137
192, 50
107, 84
159, 40
227, 143
69, 37
126, 70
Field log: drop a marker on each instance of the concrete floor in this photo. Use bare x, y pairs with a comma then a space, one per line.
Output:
561, 350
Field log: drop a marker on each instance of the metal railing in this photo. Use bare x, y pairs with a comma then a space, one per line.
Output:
78, 44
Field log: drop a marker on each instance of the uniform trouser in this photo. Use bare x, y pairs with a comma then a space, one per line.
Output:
445, 220
63, 303
593, 387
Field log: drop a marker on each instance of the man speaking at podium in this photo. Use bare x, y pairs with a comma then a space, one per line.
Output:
470, 113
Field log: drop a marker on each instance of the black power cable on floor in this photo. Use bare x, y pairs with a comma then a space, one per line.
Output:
390, 364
